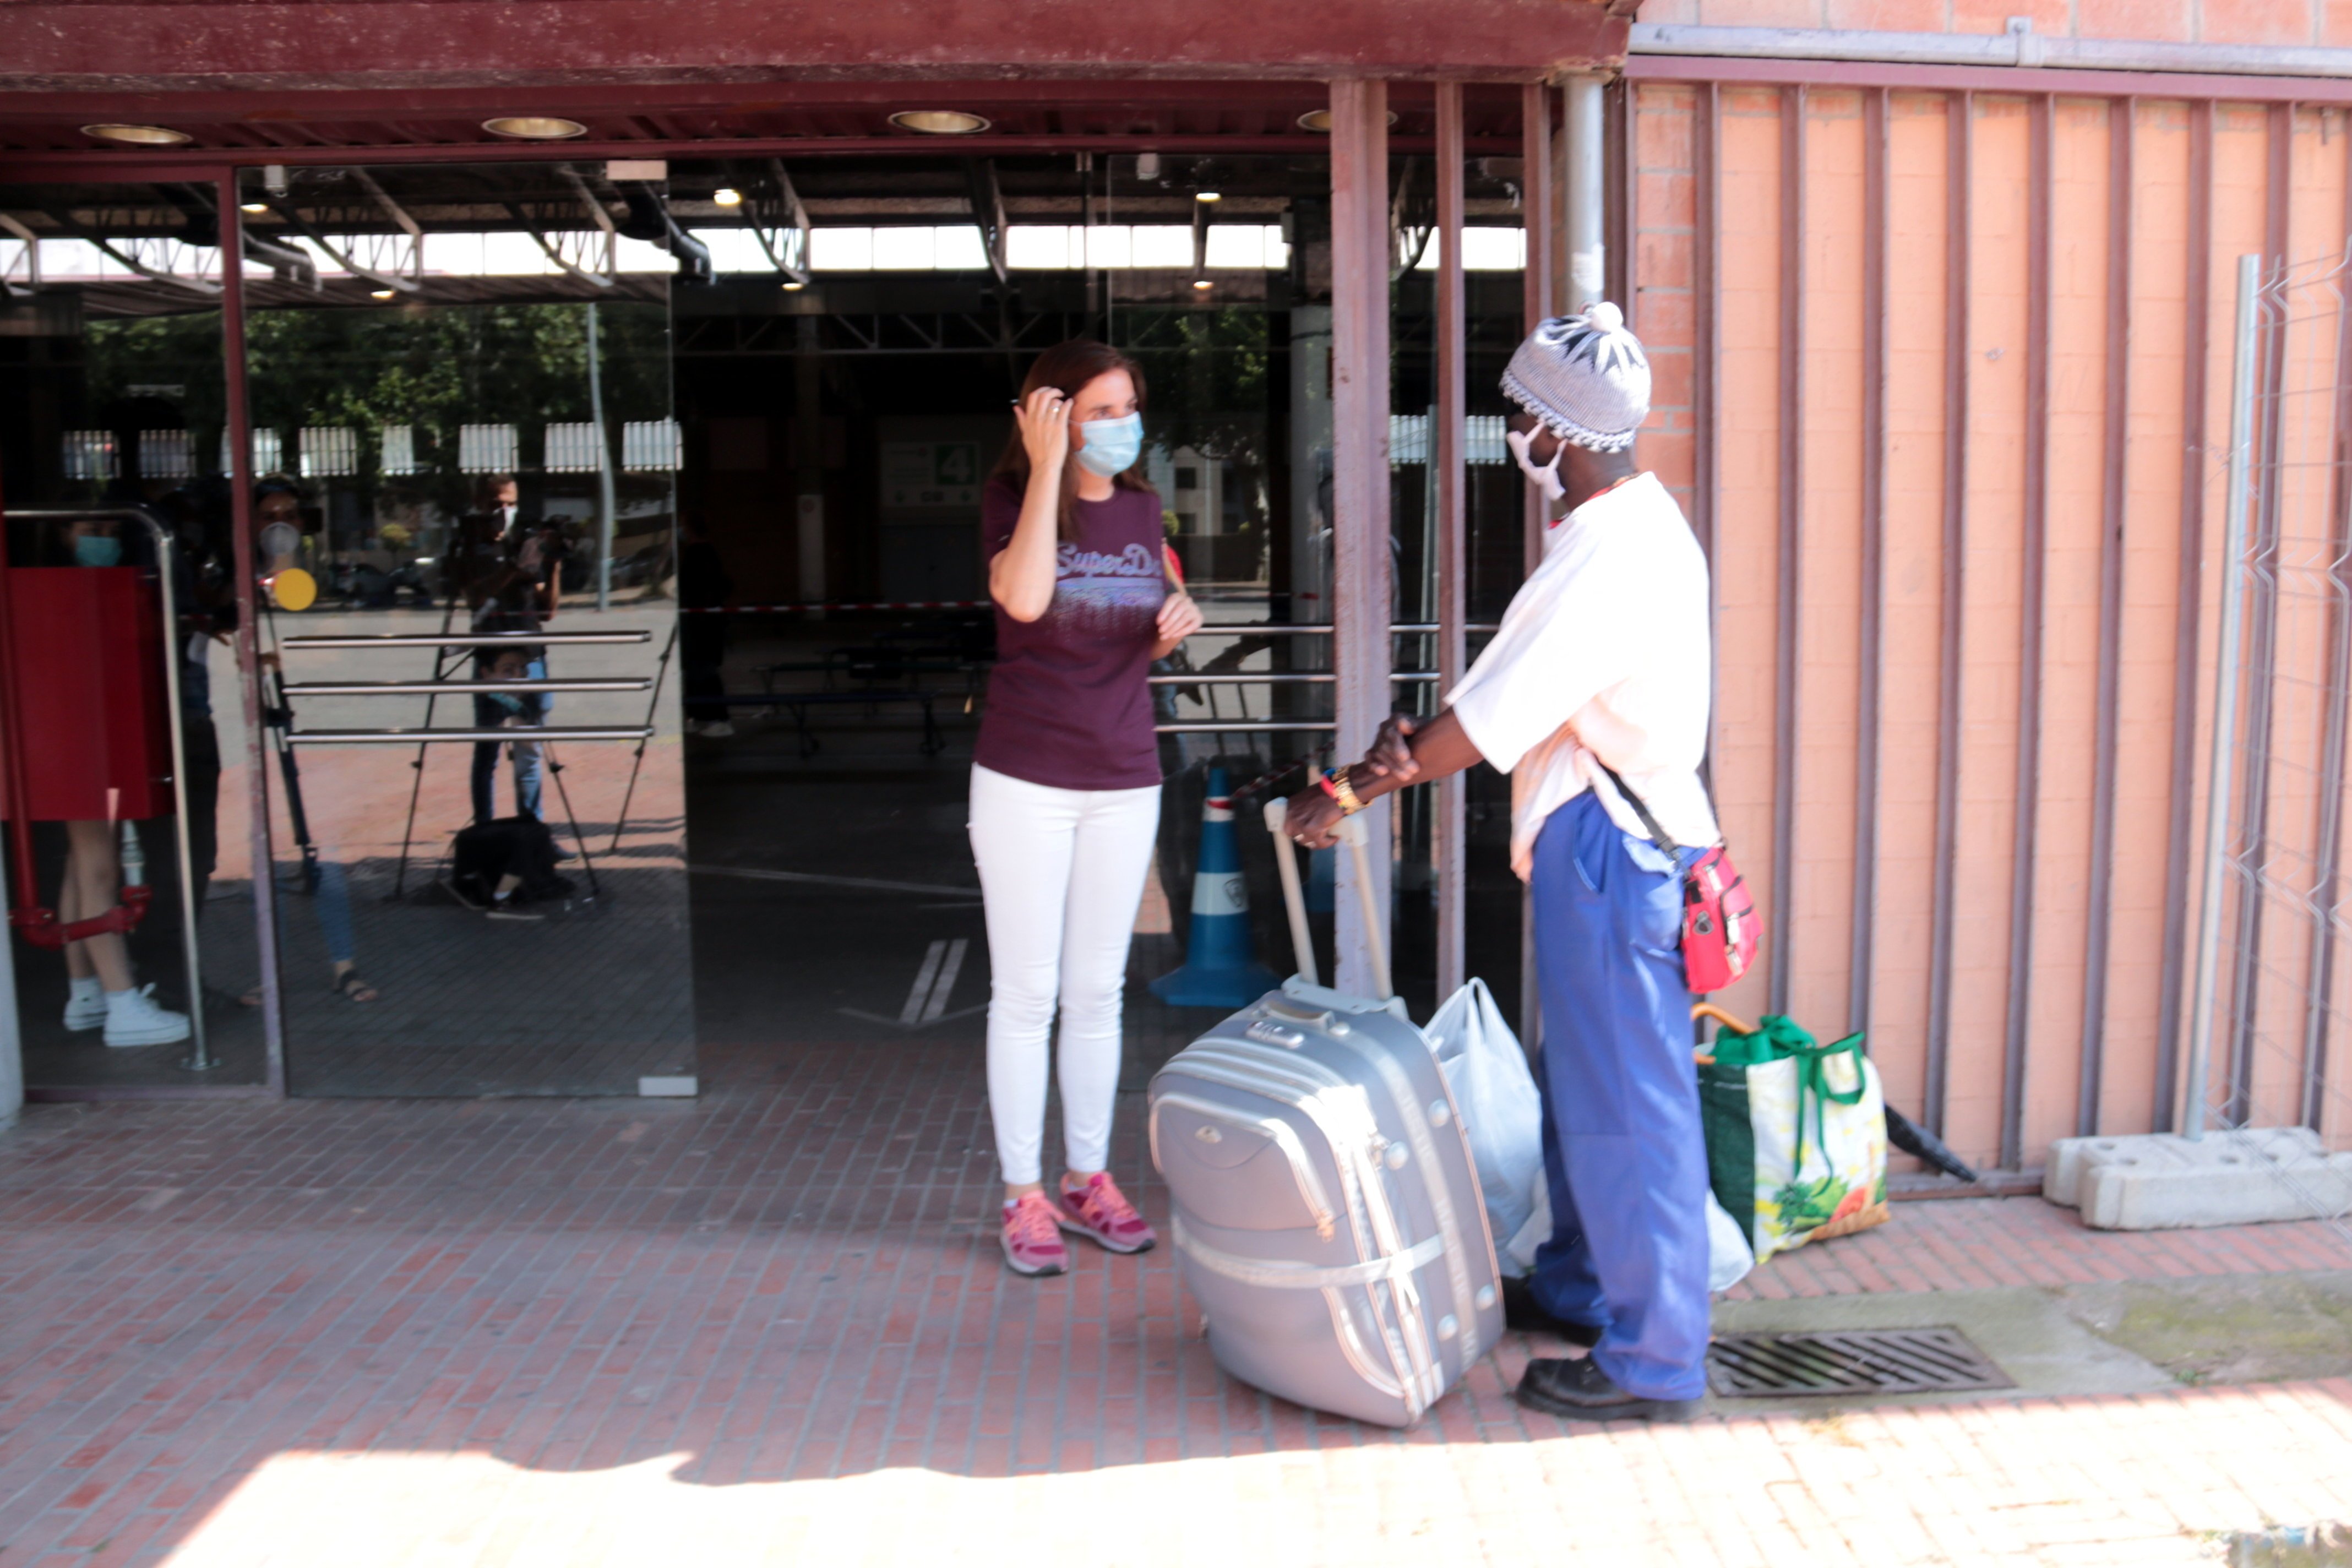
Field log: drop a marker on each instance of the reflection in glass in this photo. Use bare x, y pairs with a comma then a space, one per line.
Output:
111, 414
487, 458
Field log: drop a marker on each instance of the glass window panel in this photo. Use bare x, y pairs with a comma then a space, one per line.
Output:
841, 250
908, 249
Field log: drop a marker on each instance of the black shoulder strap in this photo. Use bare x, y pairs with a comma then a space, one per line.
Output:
1657, 833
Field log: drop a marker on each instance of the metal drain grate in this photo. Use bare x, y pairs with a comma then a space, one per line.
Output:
1856, 1361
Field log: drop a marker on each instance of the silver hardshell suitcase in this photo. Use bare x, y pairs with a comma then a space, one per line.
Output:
1327, 1218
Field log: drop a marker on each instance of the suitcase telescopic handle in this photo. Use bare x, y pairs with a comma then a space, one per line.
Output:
1294, 898
1285, 859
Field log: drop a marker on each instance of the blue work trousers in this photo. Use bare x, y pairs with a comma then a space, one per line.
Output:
1623, 1151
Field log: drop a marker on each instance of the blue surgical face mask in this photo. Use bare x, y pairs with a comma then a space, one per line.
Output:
1112, 445
96, 550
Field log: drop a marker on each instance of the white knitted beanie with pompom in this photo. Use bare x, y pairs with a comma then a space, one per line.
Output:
1585, 377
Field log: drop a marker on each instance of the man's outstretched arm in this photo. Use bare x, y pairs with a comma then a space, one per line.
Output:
1407, 751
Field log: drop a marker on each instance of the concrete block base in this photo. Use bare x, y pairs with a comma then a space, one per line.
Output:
2161, 1181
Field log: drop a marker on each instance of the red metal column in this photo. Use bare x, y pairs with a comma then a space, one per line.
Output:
248, 615
1359, 477
1539, 205
1794, 112
2032, 594
2121, 113
2164, 1115
1960, 173
1452, 558
1539, 212
1873, 651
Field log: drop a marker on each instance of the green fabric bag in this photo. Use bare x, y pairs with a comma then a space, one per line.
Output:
1796, 1134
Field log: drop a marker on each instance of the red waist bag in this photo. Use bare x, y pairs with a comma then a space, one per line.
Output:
1721, 930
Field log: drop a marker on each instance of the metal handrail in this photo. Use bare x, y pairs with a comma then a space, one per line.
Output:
429, 737
1323, 628
467, 639
1276, 678
431, 687
1242, 727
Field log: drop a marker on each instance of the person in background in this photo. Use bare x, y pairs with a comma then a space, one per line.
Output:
1066, 778
703, 590
102, 988
512, 583
494, 711
1601, 663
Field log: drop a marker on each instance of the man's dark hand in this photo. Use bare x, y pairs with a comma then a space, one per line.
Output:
1391, 756
1311, 818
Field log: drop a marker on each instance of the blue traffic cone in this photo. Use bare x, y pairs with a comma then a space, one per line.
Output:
1219, 970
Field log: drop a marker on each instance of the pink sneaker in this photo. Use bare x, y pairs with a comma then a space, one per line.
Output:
1031, 1244
1101, 1211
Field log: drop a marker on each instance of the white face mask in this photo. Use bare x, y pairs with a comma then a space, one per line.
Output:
1546, 479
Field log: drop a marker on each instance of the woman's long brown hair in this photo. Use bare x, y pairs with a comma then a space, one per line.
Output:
1068, 367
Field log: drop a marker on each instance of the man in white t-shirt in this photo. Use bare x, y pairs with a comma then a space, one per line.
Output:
1601, 663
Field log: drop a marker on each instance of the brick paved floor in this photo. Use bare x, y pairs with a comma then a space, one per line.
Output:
771, 1325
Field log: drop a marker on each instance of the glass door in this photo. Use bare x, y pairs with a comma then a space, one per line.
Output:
465, 459
111, 404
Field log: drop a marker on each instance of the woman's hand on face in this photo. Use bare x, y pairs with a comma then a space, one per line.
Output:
1180, 617
1045, 420
1311, 818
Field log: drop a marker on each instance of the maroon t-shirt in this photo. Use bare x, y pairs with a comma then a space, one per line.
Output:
1067, 706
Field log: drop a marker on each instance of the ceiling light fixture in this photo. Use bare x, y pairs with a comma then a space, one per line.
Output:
939, 121
139, 136
380, 293
793, 284
1208, 195
534, 127
256, 209
727, 197
1203, 284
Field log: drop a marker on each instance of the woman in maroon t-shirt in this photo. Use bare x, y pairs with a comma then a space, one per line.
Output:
1065, 778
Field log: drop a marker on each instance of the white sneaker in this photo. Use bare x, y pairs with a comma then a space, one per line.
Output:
717, 730
85, 1012
133, 1018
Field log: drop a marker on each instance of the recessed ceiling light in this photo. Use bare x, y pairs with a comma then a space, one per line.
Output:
256, 209
534, 127
727, 197
938, 121
1203, 284
380, 293
139, 136
793, 284
1320, 120
1208, 195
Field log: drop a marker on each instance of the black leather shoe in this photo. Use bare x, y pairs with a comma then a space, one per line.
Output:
1522, 1312
1583, 1392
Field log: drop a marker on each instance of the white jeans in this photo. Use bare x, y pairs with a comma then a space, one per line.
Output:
1061, 872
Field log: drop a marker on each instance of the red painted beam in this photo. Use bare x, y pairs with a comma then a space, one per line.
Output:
47, 45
